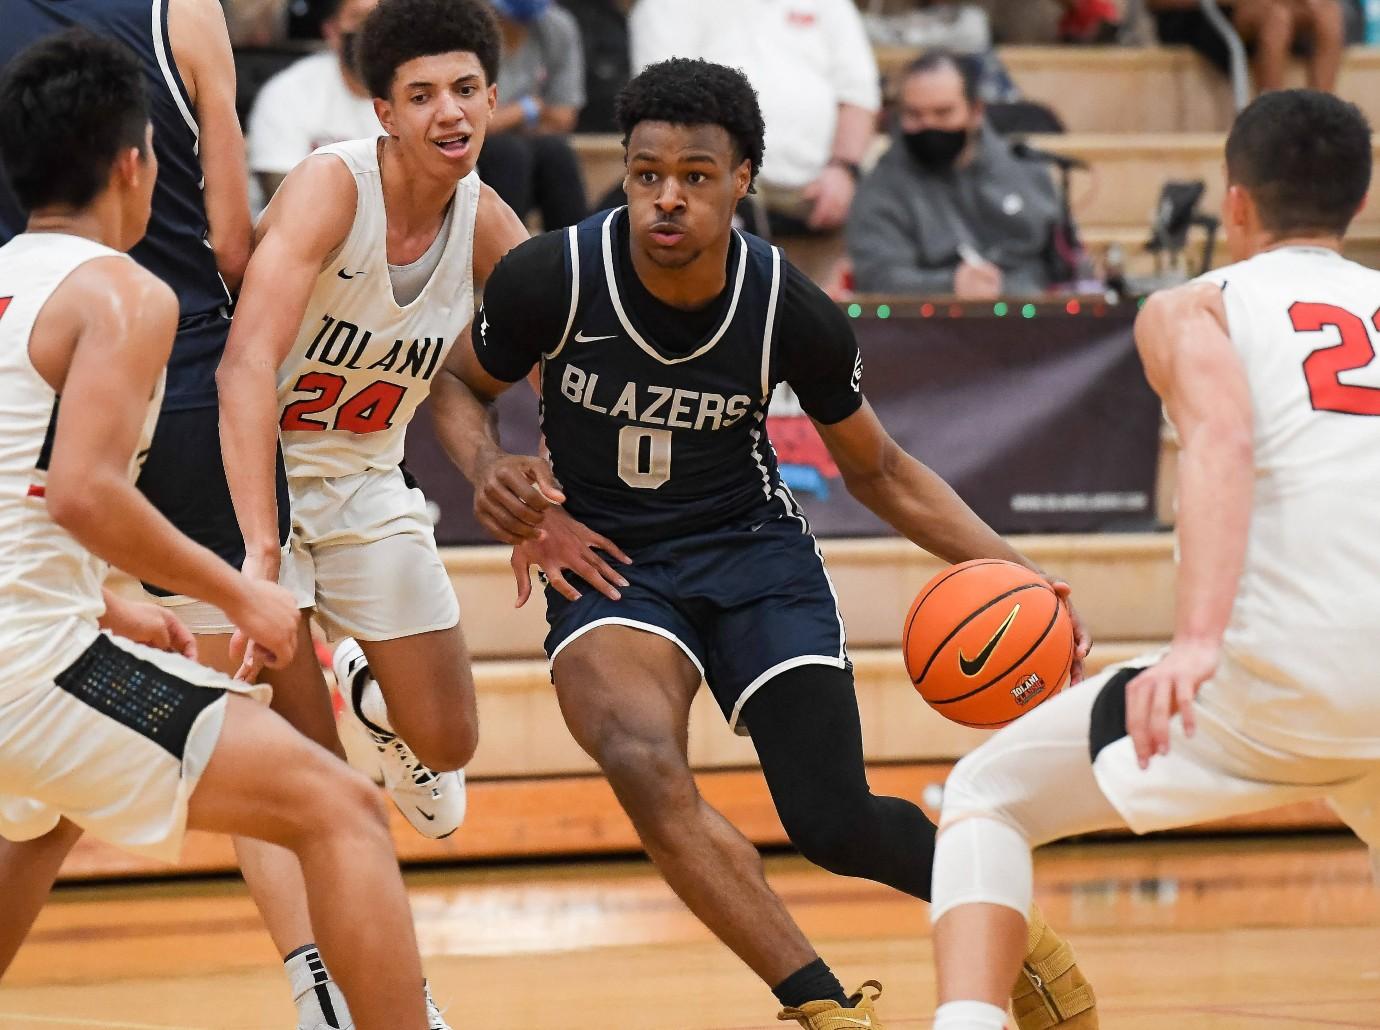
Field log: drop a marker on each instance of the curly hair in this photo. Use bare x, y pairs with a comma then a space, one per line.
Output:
398, 31
69, 105
694, 92
1305, 157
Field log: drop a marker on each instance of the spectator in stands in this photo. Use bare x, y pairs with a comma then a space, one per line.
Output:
315, 101
949, 209
527, 157
816, 78
1272, 29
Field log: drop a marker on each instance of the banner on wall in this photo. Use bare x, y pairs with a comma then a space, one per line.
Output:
1042, 425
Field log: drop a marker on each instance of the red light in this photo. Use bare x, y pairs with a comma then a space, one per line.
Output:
955, 310
927, 310
1073, 307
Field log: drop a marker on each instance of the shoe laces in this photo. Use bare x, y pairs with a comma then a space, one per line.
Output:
413, 766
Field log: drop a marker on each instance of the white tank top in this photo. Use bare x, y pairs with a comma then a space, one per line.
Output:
1305, 626
361, 362
50, 586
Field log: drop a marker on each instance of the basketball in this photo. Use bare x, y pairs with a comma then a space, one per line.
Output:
986, 641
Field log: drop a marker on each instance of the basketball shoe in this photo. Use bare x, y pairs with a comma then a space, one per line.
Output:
433, 802
1050, 990
434, 1019
830, 1015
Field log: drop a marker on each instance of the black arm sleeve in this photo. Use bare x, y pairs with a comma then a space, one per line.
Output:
817, 352
526, 305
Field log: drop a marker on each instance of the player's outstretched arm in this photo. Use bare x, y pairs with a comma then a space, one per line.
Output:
912, 498
306, 222
121, 321
201, 50
1194, 367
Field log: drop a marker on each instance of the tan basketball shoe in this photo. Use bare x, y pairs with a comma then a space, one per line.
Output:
1050, 990
830, 1015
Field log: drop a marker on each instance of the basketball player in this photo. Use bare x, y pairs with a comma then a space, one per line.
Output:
129, 742
1266, 695
660, 334
198, 242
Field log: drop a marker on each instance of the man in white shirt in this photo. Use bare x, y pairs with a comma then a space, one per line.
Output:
816, 77
314, 102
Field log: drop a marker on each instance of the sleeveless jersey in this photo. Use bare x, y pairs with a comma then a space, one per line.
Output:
651, 445
361, 363
175, 247
1305, 624
50, 586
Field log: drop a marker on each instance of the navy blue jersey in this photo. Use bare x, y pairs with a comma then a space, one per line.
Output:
176, 247
656, 418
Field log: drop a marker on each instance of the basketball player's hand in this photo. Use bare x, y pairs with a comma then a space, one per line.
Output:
512, 496
568, 545
1082, 640
1165, 689
266, 616
264, 565
148, 624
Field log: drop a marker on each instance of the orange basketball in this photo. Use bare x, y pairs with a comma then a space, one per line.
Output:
986, 641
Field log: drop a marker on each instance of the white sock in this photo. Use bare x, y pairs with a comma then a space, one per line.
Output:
969, 1015
318, 1000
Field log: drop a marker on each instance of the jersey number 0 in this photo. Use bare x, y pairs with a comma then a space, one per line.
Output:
644, 457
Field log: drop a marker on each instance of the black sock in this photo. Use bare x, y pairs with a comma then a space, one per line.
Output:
813, 982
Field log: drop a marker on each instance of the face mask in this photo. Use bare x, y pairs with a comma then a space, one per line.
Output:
936, 149
523, 11
349, 50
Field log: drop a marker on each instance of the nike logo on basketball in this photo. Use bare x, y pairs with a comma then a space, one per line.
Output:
580, 337
342, 273
973, 666
424, 815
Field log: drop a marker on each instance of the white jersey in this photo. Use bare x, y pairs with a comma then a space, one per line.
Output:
1304, 638
361, 363
50, 586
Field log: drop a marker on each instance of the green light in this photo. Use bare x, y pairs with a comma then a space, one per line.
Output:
1028, 311
1000, 309
1140, 303
883, 310
854, 310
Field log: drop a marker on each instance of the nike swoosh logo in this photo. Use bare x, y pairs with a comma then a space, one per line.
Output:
973, 666
580, 337
428, 818
342, 274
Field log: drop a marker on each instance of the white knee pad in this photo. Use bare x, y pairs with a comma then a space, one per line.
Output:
981, 860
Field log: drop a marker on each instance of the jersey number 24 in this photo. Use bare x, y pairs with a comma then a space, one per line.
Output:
368, 411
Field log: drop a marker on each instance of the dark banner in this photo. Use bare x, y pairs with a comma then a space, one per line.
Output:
1041, 424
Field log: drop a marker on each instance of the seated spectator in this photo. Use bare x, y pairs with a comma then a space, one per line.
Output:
1273, 30
816, 78
949, 209
311, 103
526, 156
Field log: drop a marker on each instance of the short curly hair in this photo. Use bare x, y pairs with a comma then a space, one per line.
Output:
694, 92
398, 31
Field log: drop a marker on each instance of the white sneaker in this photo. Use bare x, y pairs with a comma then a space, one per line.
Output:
434, 803
434, 1019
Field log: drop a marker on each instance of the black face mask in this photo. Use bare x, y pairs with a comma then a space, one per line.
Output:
349, 50
936, 149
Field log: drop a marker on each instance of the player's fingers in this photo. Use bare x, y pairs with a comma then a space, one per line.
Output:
1161, 706
522, 575
604, 569
609, 547
561, 585
502, 524
1138, 694
181, 638
1185, 692
510, 496
601, 579
544, 480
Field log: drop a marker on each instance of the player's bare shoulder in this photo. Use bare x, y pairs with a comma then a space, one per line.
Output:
497, 230
314, 208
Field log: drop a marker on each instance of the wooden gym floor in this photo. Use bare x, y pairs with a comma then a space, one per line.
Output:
1268, 932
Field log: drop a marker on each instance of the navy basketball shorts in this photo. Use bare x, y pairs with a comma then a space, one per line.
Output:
184, 478
743, 604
